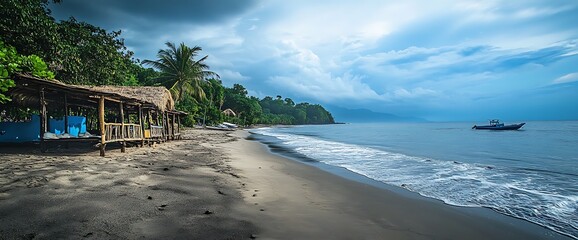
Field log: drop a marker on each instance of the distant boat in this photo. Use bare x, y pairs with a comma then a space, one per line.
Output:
230, 125
223, 127
496, 125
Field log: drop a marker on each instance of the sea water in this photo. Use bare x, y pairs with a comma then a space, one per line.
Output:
530, 173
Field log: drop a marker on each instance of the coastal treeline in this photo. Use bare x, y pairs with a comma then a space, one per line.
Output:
76, 52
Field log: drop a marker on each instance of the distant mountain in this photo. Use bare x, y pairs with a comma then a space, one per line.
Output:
344, 115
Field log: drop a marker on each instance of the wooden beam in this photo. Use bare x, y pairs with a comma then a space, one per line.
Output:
112, 99
102, 125
163, 125
42, 120
172, 126
179, 125
65, 112
123, 143
142, 126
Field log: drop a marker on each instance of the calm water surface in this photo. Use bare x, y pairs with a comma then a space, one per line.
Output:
530, 173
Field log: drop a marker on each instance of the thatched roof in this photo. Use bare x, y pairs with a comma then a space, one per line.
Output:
158, 96
26, 92
229, 112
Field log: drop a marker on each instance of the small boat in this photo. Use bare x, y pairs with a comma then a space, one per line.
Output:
496, 125
223, 127
230, 125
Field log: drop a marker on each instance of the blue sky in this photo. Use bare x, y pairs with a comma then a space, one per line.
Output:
439, 60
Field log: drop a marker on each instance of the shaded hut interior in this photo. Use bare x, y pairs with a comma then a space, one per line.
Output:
50, 111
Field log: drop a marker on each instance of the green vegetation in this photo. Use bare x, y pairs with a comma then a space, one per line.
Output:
80, 53
77, 52
12, 62
285, 111
180, 72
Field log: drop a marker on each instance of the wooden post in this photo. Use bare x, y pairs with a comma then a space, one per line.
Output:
65, 113
102, 125
142, 126
123, 143
66, 130
164, 137
149, 119
42, 120
179, 125
173, 125
168, 117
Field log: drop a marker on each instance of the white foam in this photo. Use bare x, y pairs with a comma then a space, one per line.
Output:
461, 184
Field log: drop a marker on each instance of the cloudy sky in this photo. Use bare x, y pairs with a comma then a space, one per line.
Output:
440, 60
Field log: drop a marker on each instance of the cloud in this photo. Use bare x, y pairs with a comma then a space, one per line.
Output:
406, 56
571, 77
232, 76
150, 13
414, 93
415, 62
147, 24
326, 88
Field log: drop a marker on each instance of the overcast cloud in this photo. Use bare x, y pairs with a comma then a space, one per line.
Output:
441, 60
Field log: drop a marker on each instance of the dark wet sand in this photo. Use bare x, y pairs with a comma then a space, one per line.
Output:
303, 202
217, 185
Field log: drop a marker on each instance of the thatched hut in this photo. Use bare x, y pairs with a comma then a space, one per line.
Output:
106, 113
229, 112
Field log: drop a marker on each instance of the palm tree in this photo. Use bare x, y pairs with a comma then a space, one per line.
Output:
180, 72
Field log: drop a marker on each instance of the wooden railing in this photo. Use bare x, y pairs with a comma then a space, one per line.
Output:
156, 131
176, 130
130, 132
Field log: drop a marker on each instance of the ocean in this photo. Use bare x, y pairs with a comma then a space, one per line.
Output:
530, 174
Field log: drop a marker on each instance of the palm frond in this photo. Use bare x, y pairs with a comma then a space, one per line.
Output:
180, 72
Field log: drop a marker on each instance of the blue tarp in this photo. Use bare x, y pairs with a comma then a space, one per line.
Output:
30, 131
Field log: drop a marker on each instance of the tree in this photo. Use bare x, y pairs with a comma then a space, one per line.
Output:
239, 90
215, 91
146, 76
93, 56
180, 72
11, 62
77, 52
28, 26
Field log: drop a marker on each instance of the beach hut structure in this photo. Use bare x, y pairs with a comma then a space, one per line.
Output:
229, 112
104, 114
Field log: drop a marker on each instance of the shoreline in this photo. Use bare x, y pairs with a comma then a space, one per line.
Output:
220, 185
444, 221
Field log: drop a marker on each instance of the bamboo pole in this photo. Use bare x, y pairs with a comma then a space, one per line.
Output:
149, 120
123, 143
168, 117
173, 125
102, 125
170, 125
66, 113
42, 120
164, 137
66, 130
179, 125
142, 126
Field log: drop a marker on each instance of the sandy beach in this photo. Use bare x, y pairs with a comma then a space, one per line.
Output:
218, 185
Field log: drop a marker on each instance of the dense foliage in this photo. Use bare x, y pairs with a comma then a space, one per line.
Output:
246, 108
12, 62
81, 53
92, 56
78, 52
251, 110
285, 111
